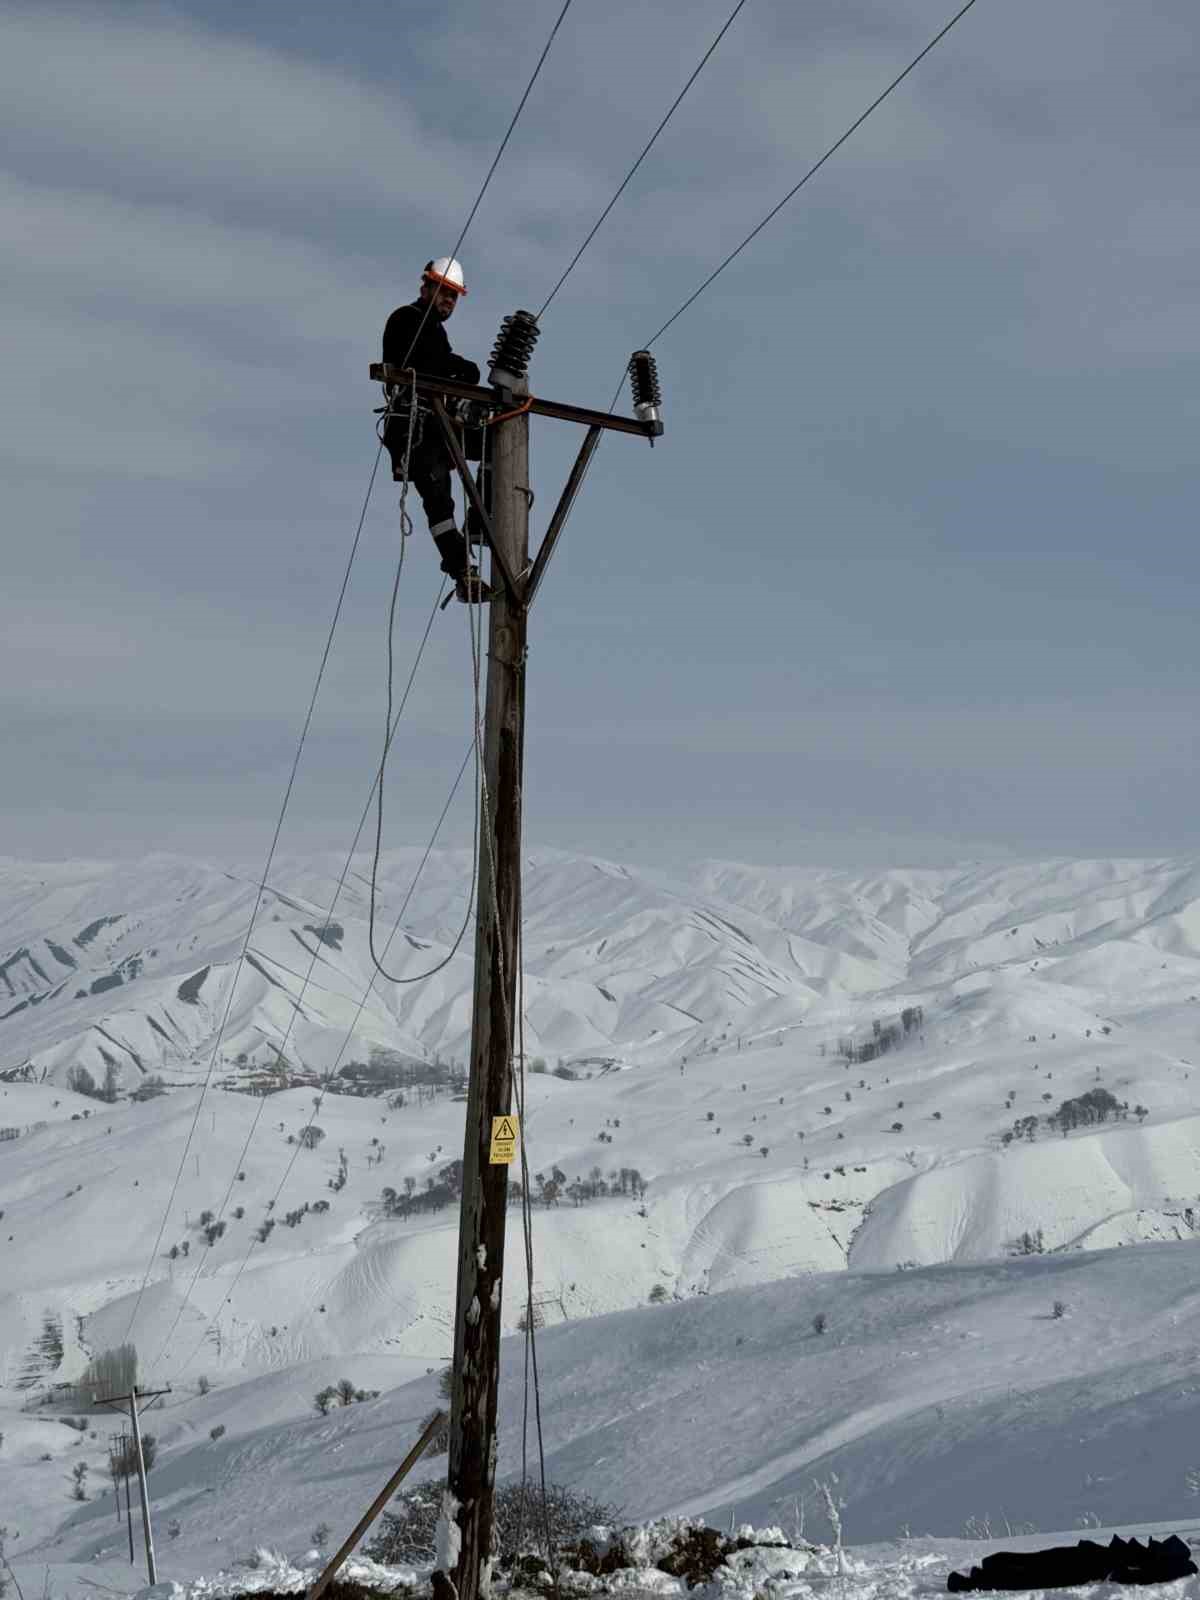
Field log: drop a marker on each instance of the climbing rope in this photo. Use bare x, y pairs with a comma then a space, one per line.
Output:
472, 618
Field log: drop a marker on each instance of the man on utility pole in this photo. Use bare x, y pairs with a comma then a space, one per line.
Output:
492, 1135
415, 336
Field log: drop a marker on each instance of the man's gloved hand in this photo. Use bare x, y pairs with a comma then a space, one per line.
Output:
465, 371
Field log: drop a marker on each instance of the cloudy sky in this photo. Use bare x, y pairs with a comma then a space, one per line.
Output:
912, 575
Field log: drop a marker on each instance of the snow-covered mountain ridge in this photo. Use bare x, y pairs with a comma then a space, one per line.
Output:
130, 965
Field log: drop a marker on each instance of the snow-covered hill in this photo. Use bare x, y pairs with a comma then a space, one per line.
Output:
716, 1146
132, 965
942, 1404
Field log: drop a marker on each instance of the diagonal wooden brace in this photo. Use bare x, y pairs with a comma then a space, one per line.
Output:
515, 588
561, 512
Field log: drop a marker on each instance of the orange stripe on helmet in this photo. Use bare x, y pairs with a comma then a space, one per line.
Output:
448, 283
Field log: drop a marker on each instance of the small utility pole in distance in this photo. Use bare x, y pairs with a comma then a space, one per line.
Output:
132, 1401
114, 1472
508, 406
118, 1455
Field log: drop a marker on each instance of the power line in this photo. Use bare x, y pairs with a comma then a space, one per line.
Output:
261, 891
437, 828
815, 168
282, 1046
703, 62
324, 658
495, 163
408, 450
476, 655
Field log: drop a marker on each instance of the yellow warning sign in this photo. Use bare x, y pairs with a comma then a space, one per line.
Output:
505, 1133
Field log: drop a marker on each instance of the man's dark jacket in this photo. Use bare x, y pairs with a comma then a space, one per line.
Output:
432, 353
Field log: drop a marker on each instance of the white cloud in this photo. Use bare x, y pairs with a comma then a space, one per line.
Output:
93, 250
201, 235
151, 97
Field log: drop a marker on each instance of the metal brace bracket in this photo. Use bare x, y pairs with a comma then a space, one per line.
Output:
514, 586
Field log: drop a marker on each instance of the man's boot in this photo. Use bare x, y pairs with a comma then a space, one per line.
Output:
468, 585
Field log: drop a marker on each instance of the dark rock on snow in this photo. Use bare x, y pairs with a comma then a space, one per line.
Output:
1122, 1561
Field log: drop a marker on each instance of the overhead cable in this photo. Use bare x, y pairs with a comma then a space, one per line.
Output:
295, 1012
337, 611
476, 652
646, 149
495, 163
346, 1042
815, 168
320, 674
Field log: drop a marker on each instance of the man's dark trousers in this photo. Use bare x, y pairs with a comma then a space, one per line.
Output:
428, 469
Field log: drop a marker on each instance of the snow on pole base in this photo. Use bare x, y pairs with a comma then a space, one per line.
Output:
448, 1538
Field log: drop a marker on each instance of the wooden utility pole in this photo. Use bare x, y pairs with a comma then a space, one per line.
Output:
118, 1461
493, 1028
114, 1472
128, 1516
491, 1135
132, 1400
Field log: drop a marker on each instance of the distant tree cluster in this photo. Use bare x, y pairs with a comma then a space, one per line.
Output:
30, 1127
885, 1037
1028, 1244
1022, 1128
444, 1189
293, 1219
80, 1080
389, 1070
111, 1372
123, 1455
620, 1181
1096, 1105
1083, 1111
149, 1089
551, 1187
341, 1393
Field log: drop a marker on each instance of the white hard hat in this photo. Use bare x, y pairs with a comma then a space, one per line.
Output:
445, 270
